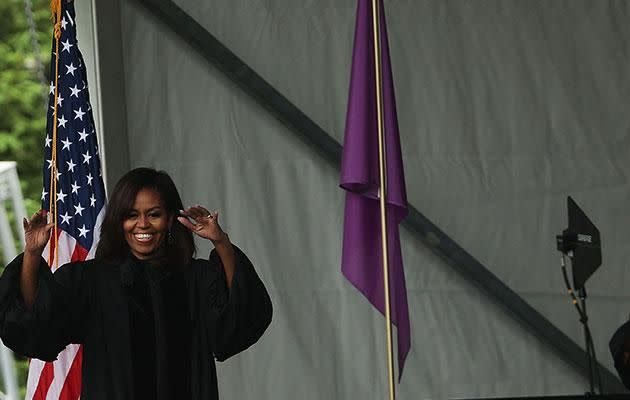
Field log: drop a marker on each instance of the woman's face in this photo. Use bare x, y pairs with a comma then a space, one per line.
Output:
146, 225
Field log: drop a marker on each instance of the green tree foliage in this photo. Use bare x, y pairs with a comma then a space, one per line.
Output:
22, 101
23, 105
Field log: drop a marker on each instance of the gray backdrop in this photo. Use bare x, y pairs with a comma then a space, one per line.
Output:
505, 108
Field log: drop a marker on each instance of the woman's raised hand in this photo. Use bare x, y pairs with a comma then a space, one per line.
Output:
36, 233
202, 222
206, 224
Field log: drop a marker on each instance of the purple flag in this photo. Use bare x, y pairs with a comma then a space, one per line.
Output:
362, 254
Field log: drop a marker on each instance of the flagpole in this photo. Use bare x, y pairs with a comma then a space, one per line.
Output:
55, 6
383, 192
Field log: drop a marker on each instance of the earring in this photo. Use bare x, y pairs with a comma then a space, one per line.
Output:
170, 237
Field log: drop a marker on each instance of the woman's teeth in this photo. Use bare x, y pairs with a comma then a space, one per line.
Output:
143, 237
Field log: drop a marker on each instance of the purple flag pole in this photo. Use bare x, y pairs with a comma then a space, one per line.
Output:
375, 199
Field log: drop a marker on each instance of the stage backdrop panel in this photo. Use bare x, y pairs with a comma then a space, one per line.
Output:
505, 108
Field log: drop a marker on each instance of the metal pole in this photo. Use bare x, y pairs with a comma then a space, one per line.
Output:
6, 356
382, 168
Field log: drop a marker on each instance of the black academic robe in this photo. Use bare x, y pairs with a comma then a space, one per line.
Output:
88, 303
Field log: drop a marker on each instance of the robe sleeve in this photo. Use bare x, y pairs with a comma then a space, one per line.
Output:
57, 317
245, 309
619, 343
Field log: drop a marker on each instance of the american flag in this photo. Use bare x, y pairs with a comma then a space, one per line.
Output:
79, 194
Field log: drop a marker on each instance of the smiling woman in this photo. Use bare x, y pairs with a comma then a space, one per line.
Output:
150, 316
146, 201
146, 225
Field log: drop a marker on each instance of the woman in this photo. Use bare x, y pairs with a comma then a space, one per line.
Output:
151, 318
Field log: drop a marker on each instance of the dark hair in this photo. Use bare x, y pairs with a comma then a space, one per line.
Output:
180, 246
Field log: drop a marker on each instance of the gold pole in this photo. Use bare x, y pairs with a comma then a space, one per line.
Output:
55, 6
382, 192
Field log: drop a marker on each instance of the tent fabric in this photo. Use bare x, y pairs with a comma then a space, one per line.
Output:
505, 107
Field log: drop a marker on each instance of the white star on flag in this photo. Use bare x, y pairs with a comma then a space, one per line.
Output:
71, 165
62, 121
75, 91
66, 46
83, 232
86, 157
71, 68
66, 218
83, 135
75, 187
79, 114
61, 195
66, 144
78, 209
